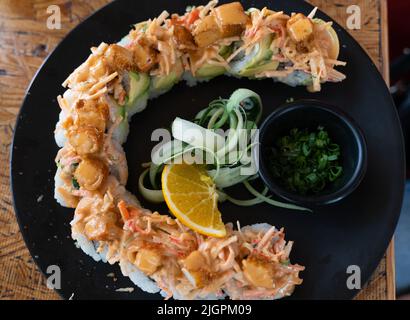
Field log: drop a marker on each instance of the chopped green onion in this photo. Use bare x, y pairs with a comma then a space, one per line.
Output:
306, 161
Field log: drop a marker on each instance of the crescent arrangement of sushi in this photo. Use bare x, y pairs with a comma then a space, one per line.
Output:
157, 252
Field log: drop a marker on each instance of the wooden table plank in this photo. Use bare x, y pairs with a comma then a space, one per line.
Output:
24, 43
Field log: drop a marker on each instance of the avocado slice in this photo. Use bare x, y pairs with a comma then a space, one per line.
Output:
209, 71
268, 66
121, 131
256, 61
161, 84
137, 92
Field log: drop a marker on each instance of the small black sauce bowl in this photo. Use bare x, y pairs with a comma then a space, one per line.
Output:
309, 114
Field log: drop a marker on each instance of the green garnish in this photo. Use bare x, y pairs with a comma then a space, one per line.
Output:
75, 183
305, 162
241, 114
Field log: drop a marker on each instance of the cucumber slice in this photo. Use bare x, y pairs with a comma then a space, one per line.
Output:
259, 57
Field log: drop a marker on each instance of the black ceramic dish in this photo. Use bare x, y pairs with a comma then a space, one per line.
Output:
309, 114
355, 231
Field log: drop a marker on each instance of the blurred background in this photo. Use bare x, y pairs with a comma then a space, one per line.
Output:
399, 38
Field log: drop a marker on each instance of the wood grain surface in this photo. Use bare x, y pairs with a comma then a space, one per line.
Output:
24, 43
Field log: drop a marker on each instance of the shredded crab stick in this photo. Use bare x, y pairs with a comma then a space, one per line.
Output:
248, 263
116, 81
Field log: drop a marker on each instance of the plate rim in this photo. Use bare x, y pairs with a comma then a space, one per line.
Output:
398, 205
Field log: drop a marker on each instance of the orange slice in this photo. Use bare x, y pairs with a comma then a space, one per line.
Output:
191, 196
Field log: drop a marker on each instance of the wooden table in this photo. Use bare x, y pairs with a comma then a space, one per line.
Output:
24, 43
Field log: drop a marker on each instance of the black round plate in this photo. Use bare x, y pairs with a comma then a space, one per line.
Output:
355, 231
